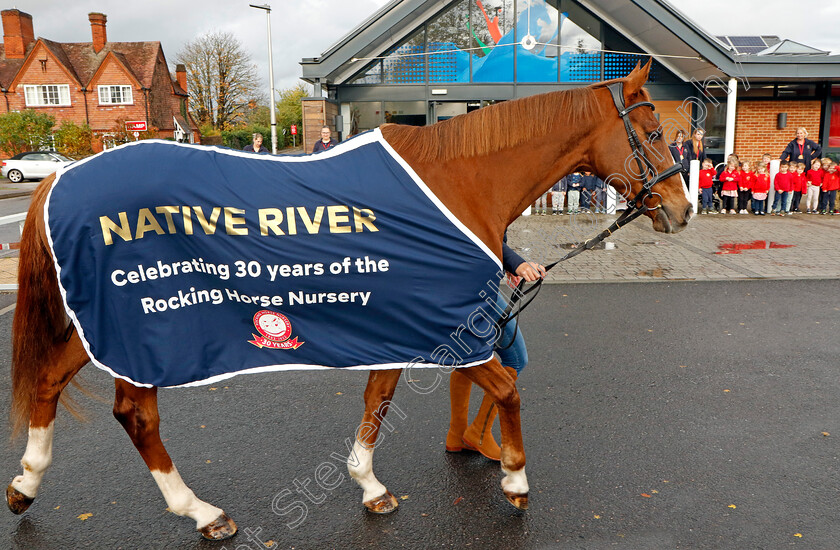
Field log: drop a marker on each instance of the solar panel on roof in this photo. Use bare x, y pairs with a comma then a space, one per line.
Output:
747, 41
751, 49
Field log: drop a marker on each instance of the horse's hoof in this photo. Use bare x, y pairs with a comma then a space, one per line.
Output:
17, 501
219, 529
520, 501
384, 504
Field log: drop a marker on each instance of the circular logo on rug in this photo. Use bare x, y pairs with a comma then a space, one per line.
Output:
272, 325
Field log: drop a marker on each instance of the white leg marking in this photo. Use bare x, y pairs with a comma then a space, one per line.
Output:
515, 482
182, 501
36, 459
361, 469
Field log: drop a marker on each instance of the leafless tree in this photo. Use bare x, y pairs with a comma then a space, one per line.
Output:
221, 78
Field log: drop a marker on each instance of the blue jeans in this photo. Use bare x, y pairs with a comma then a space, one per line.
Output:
708, 195
516, 355
757, 205
779, 201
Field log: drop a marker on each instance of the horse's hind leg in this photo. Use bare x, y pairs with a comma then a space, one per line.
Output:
67, 359
136, 409
378, 394
493, 379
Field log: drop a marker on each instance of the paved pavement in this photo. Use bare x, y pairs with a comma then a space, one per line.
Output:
713, 247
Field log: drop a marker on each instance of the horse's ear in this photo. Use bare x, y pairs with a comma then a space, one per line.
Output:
637, 78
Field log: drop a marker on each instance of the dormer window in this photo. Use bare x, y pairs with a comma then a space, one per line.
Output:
47, 95
115, 95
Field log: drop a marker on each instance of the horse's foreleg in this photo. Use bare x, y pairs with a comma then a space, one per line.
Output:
378, 394
65, 362
493, 379
136, 409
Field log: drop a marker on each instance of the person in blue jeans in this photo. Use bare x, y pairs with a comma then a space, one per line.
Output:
513, 355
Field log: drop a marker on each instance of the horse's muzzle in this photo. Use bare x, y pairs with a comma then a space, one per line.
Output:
666, 220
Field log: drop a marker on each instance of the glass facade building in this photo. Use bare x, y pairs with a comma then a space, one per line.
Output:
476, 42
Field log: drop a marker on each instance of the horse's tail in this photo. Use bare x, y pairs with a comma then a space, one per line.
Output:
39, 321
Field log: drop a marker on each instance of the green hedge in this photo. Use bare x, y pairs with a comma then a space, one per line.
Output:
239, 138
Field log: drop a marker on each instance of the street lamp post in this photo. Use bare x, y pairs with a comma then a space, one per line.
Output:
267, 9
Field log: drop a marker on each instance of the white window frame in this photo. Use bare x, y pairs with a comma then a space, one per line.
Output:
106, 98
47, 95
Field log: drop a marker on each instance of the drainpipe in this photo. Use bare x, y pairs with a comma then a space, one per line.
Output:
87, 116
731, 100
146, 102
6, 95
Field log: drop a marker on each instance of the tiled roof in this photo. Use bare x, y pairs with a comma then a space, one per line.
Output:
57, 49
82, 62
177, 87
141, 57
8, 68
122, 59
182, 122
138, 57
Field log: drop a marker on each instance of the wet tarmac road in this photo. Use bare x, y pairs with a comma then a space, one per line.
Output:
658, 415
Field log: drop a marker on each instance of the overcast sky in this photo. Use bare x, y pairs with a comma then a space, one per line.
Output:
307, 28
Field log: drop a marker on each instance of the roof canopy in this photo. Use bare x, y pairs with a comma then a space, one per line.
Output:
654, 26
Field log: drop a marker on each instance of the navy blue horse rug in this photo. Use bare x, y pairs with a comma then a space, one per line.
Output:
184, 265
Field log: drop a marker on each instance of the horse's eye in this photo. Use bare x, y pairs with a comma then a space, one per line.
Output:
654, 136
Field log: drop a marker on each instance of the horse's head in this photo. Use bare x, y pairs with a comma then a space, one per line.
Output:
614, 161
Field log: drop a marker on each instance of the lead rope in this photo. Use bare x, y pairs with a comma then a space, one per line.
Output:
518, 296
635, 208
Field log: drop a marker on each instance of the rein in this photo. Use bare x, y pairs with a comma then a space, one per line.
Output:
635, 207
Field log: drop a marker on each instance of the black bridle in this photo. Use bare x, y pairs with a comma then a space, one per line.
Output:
635, 207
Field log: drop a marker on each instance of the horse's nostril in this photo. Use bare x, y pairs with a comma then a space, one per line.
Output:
689, 211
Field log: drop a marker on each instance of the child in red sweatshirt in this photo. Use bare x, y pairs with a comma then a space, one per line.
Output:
831, 183
707, 175
814, 179
783, 185
800, 182
760, 188
745, 186
730, 179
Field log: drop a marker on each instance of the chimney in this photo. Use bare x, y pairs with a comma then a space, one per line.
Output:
181, 76
17, 33
97, 30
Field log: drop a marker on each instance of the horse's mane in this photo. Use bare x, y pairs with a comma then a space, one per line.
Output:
495, 127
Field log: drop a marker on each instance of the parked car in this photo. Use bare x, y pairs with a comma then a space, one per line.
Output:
33, 165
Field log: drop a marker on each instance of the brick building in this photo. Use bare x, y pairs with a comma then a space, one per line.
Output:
421, 61
95, 83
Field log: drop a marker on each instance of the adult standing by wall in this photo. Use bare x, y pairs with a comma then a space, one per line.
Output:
695, 146
802, 149
326, 142
684, 154
679, 150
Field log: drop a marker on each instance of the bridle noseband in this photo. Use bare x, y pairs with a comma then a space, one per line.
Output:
635, 206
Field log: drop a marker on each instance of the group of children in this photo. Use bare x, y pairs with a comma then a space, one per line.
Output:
740, 185
581, 191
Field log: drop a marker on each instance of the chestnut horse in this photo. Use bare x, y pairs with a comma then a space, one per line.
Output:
487, 167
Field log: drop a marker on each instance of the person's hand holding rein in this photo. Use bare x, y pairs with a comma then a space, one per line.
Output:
529, 271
